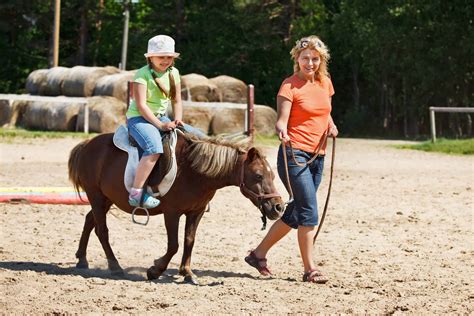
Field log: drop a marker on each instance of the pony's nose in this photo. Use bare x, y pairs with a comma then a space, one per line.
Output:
279, 208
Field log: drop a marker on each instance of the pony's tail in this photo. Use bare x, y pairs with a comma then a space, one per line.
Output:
73, 166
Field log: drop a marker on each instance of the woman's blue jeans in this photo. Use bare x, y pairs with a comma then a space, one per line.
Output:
304, 183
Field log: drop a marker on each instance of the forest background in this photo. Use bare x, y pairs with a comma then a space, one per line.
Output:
390, 60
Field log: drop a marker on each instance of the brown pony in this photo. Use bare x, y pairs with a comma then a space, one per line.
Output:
204, 166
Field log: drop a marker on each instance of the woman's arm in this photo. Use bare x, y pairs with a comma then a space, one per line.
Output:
331, 126
283, 110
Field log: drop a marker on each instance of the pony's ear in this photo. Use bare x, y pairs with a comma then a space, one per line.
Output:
252, 153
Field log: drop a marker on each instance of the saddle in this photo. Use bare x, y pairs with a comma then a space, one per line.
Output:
164, 173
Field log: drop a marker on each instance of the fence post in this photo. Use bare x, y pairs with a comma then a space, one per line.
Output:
250, 111
432, 123
86, 118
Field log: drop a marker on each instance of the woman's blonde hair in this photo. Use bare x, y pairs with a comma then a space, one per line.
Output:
312, 42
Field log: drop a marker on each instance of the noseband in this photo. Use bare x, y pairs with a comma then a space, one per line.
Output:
249, 193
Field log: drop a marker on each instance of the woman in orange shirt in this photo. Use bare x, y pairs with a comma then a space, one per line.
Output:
304, 107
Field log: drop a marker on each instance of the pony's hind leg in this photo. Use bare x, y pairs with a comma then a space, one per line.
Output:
192, 222
82, 250
161, 264
102, 232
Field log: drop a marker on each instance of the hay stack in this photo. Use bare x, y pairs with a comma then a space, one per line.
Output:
54, 81
114, 85
51, 115
231, 89
81, 80
199, 117
199, 88
232, 120
36, 81
11, 112
105, 114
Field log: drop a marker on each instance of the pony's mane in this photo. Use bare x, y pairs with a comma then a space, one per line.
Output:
214, 157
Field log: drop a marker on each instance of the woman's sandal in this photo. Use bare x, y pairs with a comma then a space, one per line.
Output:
258, 263
315, 276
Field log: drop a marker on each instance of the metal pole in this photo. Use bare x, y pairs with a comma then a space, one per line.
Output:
57, 10
433, 126
86, 118
250, 111
126, 13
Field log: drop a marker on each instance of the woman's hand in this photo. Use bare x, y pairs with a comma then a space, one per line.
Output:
282, 134
333, 131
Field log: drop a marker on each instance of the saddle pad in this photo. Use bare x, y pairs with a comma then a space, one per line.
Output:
121, 141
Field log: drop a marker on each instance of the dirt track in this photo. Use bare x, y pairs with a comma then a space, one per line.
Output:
398, 239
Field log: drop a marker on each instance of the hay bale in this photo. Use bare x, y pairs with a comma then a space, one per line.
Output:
105, 114
231, 89
199, 117
232, 120
114, 85
36, 81
51, 115
54, 81
81, 80
11, 112
5, 112
198, 88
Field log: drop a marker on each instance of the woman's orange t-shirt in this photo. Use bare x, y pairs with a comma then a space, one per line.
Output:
310, 110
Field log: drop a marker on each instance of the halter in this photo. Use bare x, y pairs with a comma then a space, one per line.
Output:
250, 194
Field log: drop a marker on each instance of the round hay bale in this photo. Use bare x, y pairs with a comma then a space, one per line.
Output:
264, 120
105, 114
199, 117
81, 80
36, 81
228, 121
198, 88
231, 89
51, 115
5, 112
11, 112
114, 85
54, 81
232, 120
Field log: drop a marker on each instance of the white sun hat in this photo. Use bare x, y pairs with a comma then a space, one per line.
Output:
161, 45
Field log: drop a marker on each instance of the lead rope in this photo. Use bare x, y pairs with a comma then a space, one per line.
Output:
288, 186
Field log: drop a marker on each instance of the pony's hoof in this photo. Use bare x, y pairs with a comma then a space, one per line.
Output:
190, 279
82, 264
153, 273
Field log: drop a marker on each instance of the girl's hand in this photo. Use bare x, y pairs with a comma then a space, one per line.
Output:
168, 126
179, 123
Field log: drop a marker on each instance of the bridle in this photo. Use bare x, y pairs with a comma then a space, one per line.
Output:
323, 141
252, 195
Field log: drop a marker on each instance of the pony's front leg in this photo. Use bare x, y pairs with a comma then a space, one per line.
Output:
161, 264
192, 222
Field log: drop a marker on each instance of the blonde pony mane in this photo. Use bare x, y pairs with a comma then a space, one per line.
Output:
214, 157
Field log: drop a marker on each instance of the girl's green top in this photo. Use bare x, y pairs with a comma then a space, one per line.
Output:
155, 99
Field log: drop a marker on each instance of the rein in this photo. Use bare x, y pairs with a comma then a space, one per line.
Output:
316, 154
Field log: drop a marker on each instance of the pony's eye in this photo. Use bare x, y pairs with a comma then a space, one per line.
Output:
259, 177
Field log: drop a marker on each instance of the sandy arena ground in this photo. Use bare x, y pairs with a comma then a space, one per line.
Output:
398, 238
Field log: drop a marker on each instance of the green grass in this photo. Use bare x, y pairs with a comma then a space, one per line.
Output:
263, 140
9, 134
454, 147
